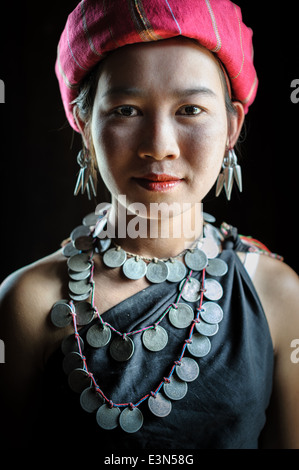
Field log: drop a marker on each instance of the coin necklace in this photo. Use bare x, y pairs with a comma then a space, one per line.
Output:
133, 266
154, 337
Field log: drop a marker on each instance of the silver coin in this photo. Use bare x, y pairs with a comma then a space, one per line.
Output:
90, 400
157, 271
98, 336
103, 245
90, 220
69, 250
79, 287
134, 269
217, 267
80, 298
80, 231
213, 290
176, 389
155, 339
84, 243
79, 276
61, 314
211, 312
191, 292
131, 420
84, 313
70, 344
79, 380
176, 270
103, 209
210, 247
114, 258
159, 405
98, 229
61, 301
122, 349
206, 329
213, 232
188, 370
196, 259
71, 361
200, 345
208, 218
182, 316
79, 262
107, 418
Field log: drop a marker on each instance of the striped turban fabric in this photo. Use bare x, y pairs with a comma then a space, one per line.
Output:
97, 27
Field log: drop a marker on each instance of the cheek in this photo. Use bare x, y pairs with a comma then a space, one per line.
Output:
206, 148
109, 150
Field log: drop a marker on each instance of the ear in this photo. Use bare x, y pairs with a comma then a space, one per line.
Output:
82, 126
235, 124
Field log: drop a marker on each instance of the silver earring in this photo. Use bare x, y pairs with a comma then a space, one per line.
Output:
84, 181
230, 171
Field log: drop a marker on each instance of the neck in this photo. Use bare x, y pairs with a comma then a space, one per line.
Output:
161, 237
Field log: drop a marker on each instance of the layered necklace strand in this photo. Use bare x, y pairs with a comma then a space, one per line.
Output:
203, 324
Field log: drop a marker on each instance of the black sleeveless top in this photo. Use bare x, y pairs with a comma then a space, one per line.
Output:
224, 407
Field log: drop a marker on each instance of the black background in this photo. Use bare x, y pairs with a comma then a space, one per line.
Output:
38, 148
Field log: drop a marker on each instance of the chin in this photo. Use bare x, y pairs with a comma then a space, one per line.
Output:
156, 206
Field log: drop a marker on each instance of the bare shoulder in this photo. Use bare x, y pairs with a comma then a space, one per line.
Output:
34, 271
278, 288
34, 283
272, 270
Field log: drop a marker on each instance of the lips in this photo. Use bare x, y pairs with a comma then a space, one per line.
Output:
158, 182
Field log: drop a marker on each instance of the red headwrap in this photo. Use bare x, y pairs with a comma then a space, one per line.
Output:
97, 27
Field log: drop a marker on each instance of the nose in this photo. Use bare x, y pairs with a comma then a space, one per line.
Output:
159, 140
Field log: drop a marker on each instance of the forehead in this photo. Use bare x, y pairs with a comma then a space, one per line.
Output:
158, 65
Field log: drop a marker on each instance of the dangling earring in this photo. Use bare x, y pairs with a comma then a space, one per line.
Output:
230, 171
84, 180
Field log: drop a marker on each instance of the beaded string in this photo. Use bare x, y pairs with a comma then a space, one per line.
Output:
177, 362
171, 258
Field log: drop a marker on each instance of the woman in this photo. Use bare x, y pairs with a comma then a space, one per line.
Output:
161, 358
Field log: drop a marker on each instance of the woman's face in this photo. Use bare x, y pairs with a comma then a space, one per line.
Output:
160, 110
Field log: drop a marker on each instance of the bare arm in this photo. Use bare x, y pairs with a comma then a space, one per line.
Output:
26, 298
19, 375
278, 288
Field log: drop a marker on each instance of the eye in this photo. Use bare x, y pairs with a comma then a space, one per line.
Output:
189, 110
126, 111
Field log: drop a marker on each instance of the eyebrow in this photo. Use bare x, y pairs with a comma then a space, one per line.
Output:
177, 93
